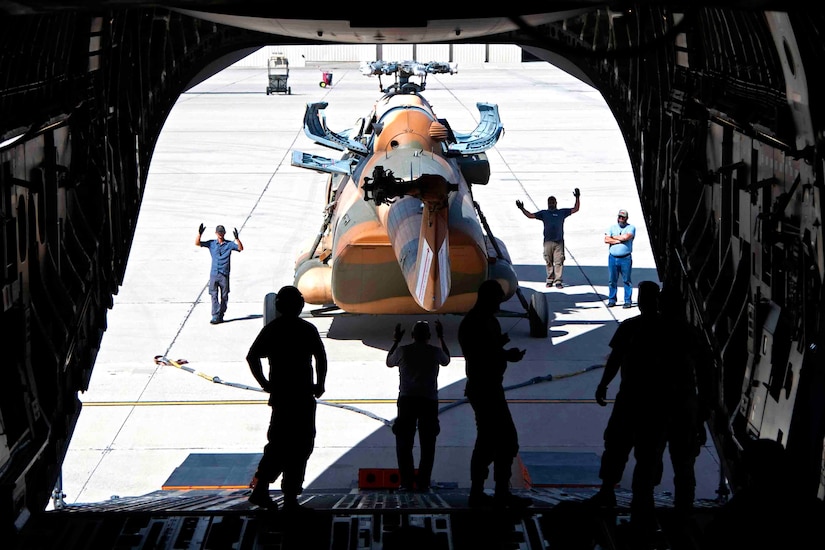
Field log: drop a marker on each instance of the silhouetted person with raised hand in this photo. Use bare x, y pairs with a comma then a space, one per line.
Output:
290, 344
636, 421
418, 365
482, 344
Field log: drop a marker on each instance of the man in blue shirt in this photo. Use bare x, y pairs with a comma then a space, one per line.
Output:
553, 219
619, 238
220, 249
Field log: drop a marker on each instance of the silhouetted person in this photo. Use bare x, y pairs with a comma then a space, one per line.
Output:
221, 251
685, 395
418, 365
770, 510
290, 343
636, 421
482, 344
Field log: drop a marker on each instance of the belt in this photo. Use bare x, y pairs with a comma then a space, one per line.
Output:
622, 256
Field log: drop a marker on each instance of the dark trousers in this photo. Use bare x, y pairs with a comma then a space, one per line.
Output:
684, 446
291, 439
496, 443
422, 414
644, 433
219, 291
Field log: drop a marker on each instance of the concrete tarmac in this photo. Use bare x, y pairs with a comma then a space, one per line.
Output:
224, 158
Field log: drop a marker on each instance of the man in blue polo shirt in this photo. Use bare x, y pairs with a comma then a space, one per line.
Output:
553, 219
220, 249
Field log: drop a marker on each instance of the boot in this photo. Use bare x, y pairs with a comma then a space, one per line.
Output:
478, 498
291, 504
506, 499
605, 498
260, 496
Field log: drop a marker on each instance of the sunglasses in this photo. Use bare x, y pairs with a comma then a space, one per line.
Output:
622, 217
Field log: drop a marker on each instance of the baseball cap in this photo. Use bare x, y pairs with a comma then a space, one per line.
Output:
622, 213
220, 229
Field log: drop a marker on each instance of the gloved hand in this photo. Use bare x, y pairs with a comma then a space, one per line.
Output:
318, 390
520, 205
201, 229
235, 232
398, 333
515, 355
576, 192
601, 395
439, 329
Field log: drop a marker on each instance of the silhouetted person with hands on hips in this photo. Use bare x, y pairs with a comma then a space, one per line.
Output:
290, 344
482, 344
637, 421
418, 365
220, 249
553, 219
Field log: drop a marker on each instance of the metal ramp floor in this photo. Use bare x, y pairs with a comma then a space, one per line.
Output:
349, 520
